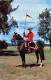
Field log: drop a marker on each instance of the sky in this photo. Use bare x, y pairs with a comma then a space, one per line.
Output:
33, 8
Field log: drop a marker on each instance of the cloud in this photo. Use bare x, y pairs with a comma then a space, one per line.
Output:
34, 7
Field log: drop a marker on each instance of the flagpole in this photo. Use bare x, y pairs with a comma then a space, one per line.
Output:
25, 25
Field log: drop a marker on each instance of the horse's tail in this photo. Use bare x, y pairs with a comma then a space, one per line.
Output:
43, 57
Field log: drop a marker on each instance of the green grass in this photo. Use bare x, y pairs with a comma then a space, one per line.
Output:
11, 48
9, 69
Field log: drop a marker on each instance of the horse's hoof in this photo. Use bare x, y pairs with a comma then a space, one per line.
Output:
41, 65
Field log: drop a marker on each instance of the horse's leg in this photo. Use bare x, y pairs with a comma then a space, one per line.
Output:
15, 43
37, 55
23, 59
41, 58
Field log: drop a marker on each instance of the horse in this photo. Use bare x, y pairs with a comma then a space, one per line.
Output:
23, 50
13, 41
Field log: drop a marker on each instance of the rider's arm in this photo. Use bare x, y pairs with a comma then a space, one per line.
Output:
26, 36
30, 37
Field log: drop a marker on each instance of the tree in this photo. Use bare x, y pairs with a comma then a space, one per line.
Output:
3, 45
45, 24
49, 34
5, 10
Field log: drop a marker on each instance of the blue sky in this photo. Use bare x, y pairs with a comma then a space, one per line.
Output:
34, 7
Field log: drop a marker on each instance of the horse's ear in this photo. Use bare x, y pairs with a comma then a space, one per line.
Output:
14, 32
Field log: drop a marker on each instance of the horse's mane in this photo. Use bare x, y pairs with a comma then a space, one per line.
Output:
21, 40
19, 37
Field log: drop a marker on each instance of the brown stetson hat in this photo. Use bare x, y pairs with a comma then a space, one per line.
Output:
29, 28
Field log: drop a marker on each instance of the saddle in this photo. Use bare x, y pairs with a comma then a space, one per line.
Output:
32, 46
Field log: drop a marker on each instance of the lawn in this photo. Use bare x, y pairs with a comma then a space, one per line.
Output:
10, 69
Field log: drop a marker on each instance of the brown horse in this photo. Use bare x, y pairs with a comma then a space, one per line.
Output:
14, 42
23, 50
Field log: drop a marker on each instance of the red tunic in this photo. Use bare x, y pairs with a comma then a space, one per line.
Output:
30, 36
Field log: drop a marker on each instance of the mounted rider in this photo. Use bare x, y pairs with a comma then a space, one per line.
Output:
29, 37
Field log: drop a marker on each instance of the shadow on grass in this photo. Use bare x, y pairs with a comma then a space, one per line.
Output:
8, 53
30, 65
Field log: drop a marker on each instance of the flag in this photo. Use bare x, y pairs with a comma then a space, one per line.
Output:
27, 16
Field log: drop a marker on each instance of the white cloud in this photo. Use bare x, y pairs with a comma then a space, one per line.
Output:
34, 7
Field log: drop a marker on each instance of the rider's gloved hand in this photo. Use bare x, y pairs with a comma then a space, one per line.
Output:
23, 32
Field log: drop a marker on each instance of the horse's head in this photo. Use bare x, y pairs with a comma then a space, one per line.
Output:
17, 37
